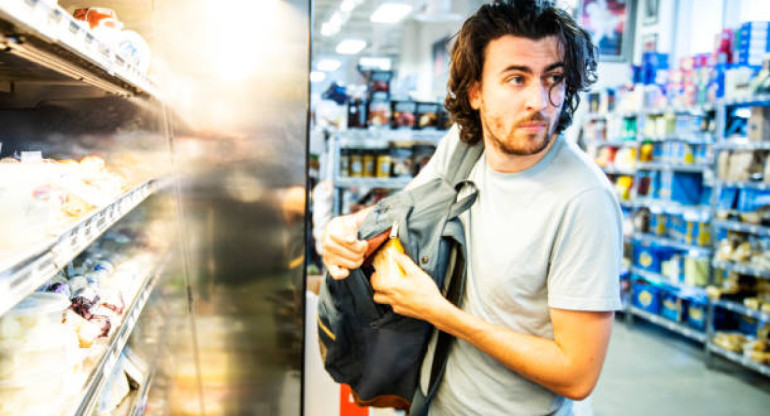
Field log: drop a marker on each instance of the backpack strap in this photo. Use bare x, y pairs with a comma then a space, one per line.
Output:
462, 161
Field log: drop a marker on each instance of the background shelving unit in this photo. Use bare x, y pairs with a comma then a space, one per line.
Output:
659, 287
371, 139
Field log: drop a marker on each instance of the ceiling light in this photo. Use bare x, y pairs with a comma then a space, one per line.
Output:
328, 29
390, 13
347, 6
384, 64
350, 46
328, 65
317, 76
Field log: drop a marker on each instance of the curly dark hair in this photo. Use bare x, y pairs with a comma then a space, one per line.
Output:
531, 19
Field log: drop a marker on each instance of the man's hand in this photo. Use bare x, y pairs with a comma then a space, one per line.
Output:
342, 250
415, 295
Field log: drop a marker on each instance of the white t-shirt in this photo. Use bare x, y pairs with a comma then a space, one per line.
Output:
547, 237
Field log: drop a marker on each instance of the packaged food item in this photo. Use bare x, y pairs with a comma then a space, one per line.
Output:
356, 164
28, 202
356, 113
378, 114
344, 163
369, 160
96, 16
404, 114
379, 85
132, 47
427, 115
421, 154
383, 164
401, 159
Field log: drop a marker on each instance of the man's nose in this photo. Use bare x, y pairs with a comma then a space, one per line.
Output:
537, 96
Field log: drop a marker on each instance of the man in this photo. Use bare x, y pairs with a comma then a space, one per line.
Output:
544, 235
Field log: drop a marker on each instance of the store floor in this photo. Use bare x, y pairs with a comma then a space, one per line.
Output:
650, 371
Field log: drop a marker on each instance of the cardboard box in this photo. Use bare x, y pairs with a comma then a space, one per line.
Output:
758, 128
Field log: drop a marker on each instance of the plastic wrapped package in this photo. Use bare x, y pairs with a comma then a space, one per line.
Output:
37, 355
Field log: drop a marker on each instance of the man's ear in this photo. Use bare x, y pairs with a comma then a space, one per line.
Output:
474, 95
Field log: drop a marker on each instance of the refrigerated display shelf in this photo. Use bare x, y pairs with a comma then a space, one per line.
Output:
374, 138
101, 373
742, 227
661, 279
754, 100
744, 184
613, 143
673, 207
695, 109
742, 144
740, 359
612, 170
693, 140
24, 273
388, 183
668, 324
47, 35
674, 167
743, 310
741, 268
647, 238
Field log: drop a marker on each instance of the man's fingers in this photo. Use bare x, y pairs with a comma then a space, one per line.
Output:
349, 242
380, 298
335, 253
338, 273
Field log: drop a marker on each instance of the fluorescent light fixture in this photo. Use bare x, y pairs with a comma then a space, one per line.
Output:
350, 46
328, 29
336, 19
384, 64
317, 76
328, 65
390, 13
347, 6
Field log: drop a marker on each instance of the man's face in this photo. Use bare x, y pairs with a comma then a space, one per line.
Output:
521, 93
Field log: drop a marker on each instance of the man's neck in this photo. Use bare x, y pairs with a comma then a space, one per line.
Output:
503, 162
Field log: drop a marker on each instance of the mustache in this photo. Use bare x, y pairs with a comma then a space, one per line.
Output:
537, 117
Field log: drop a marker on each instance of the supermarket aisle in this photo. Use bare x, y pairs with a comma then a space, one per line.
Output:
651, 372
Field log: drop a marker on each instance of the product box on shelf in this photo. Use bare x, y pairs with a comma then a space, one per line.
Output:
646, 297
758, 128
696, 312
682, 187
648, 256
401, 159
378, 114
427, 115
748, 325
658, 224
404, 114
696, 270
670, 305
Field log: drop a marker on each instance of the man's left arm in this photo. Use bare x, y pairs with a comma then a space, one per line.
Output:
568, 365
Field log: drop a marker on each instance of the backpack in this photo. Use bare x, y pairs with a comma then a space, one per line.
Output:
365, 344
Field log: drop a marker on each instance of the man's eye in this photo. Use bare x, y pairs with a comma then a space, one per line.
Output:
516, 80
555, 78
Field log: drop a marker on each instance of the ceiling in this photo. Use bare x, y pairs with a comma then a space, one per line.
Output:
381, 39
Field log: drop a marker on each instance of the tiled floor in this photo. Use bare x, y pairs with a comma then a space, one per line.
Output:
650, 371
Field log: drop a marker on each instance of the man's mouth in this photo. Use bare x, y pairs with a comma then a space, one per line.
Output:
533, 126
